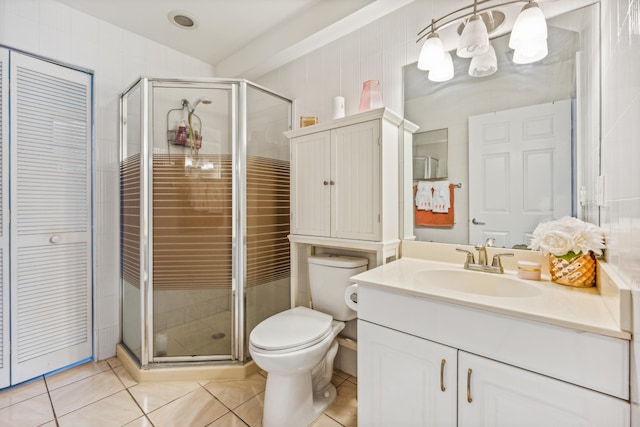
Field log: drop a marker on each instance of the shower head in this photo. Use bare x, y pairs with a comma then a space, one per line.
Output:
203, 99
192, 108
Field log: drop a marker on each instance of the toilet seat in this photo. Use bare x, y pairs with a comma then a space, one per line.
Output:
291, 330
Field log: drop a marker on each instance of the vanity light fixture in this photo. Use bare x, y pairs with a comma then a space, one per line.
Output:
474, 40
443, 71
485, 64
477, 22
432, 52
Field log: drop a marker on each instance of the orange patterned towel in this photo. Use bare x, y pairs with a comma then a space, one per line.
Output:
430, 219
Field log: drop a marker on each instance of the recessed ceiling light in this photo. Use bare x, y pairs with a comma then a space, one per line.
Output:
182, 19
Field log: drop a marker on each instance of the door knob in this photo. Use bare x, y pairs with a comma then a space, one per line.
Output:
55, 239
476, 222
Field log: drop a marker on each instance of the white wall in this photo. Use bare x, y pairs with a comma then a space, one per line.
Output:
621, 156
117, 57
382, 48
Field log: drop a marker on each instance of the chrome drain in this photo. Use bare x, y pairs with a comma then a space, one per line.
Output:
218, 336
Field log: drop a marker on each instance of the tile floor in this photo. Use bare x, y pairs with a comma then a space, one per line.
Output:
104, 394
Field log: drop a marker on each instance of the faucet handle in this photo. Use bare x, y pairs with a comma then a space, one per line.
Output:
496, 259
470, 259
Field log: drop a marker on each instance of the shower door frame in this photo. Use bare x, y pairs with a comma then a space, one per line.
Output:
238, 132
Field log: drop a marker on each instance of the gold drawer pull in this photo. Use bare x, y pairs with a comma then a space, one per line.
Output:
469, 386
442, 387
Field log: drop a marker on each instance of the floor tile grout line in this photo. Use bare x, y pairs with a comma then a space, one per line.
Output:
131, 395
53, 409
223, 404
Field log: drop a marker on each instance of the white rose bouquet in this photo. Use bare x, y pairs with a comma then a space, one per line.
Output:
567, 238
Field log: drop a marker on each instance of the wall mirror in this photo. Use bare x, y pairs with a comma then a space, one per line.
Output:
524, 189
430, 154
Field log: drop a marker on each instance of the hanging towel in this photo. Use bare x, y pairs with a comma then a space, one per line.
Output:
431, 219
441, 200
424, 196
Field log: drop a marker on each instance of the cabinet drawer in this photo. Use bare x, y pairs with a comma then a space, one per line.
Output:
590, 360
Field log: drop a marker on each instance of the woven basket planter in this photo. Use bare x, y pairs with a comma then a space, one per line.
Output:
579, 271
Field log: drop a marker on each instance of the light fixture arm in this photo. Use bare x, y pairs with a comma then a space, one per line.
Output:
432, 27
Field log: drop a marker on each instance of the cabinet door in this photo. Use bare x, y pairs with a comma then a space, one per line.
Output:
404, 380
355, 200
310, 185
497, 395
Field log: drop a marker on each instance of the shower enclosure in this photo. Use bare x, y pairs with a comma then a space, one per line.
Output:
204, 191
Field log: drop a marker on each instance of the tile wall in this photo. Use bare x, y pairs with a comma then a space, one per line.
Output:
117, 57
621, 156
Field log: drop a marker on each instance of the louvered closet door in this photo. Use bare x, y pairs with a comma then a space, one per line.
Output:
4, 228
51, 217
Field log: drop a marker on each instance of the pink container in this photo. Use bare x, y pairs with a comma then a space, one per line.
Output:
529, 270
370, 99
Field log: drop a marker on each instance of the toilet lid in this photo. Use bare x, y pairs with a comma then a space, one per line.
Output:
291, 328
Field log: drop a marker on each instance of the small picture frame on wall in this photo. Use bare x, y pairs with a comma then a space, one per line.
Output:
308, 121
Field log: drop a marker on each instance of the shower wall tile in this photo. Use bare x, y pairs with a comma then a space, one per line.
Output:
156, 57
21, 30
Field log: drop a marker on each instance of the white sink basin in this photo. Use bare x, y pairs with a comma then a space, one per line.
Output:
473, 282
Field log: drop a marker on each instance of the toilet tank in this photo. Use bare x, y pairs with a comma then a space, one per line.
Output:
328, 278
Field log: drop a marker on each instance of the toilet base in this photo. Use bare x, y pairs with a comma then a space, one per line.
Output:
297, 398
289, 402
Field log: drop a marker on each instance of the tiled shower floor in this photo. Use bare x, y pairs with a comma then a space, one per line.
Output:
104, 394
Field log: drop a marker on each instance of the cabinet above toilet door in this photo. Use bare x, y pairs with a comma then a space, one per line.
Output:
335, 182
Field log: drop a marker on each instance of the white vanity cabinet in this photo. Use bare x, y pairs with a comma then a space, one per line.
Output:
345, 177
404, 380
510, 371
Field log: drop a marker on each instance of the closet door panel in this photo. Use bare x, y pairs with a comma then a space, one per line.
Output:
5, 343
51, 212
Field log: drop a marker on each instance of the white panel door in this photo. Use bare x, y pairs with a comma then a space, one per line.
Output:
498, 395
404, 380
519, 171
5, 343
355, 198
51, 217
311, 185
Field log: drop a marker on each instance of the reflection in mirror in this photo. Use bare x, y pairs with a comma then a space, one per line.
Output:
430, 154
569, 75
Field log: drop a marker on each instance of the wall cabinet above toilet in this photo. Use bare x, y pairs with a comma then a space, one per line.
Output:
345, 177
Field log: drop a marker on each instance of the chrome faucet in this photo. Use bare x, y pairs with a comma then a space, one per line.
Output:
483, 265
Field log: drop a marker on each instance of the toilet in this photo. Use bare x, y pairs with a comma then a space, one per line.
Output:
297, 347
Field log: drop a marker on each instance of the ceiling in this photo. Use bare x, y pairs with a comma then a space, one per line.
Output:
241, 37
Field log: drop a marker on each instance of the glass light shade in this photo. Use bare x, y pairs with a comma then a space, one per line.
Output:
444, 70
530, 25
432, 52
534, 51
484, 65
474, 40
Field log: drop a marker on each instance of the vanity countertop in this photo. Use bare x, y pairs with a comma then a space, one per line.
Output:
582, 309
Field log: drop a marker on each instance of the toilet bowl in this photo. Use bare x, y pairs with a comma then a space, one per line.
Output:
297, 347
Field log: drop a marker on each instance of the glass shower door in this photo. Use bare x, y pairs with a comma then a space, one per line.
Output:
192, 221
267, 273
130, 236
